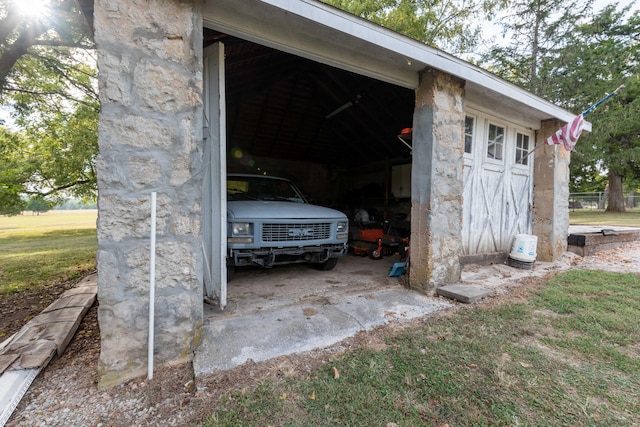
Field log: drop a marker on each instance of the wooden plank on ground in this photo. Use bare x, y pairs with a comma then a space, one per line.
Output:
31, 349
69, 314
59, 333
38, 356
87, 289
82, 300
7, 360
50, 332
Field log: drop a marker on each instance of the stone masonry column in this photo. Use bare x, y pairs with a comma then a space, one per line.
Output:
550, 194
150, 139
437, 181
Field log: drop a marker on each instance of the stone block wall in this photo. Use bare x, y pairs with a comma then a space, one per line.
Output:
150, 140
550, 195
437, 181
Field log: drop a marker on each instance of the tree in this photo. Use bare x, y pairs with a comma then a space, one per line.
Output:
564, 53
47, 36
37, 205
537, 29
48, 77
12, 173
440, 23
602, 55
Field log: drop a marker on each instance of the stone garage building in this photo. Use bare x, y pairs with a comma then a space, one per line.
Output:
163, 129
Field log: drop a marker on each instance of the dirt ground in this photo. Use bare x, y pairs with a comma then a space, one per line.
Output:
18, 308
66, 392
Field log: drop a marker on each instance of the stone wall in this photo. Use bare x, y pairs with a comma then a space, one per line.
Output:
551, 195
437, 181
150, 140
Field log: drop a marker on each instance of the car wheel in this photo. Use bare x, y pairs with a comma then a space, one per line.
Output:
327, 265
231, 271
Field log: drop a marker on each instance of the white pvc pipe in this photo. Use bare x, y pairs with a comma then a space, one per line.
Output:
152, 284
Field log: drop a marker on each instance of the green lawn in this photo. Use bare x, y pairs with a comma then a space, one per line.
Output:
36, 250
52, 220
631, 218
568, 354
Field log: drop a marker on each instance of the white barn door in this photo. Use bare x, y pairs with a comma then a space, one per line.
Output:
498, 186
214, 199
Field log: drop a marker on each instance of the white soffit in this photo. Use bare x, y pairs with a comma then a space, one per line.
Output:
327, 35
275, 27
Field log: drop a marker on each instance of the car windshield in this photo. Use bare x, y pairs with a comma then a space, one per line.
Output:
259, 188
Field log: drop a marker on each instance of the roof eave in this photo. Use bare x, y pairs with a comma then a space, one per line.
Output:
332, 36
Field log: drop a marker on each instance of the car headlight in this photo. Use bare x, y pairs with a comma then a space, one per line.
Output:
342, 227
241, 228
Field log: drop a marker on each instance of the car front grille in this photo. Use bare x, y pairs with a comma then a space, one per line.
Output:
295, 232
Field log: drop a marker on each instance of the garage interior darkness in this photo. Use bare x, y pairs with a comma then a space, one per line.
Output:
333, 132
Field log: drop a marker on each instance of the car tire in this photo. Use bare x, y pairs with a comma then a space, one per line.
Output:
327, 265
231, 271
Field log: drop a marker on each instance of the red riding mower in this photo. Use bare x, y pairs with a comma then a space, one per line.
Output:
377, 240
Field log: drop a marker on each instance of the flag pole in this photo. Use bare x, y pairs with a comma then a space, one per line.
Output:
584, 113
531, 152
597, 104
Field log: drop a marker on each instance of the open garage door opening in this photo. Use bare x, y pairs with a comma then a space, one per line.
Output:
341, 137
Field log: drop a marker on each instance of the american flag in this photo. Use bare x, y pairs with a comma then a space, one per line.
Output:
568, 135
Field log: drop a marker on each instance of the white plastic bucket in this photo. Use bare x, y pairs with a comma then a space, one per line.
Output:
524, 248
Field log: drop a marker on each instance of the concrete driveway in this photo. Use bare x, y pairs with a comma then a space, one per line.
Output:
293, 309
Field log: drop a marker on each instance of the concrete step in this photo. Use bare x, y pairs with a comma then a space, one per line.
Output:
464, 293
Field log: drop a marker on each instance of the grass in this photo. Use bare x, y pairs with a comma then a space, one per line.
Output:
60, 245
569, 355
566, 355
631, 218
39, 249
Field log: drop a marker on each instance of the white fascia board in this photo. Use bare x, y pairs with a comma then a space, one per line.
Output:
277, 28
417, 52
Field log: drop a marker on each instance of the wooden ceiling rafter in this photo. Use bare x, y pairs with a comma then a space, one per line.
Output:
371, 127
277, 105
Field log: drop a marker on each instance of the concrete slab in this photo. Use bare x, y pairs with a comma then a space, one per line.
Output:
229, 341
464, 293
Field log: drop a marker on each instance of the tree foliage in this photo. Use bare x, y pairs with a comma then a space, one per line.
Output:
13, 173
572, 57
48, 78
46, 40
38, 204
440, 23
607, 50
538, 29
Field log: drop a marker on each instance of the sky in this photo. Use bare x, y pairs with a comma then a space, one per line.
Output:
599, 4
493, 30
4, 115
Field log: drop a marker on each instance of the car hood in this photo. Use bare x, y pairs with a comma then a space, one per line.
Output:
258, 209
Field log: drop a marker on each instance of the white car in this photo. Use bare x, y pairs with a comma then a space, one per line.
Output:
270, 222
